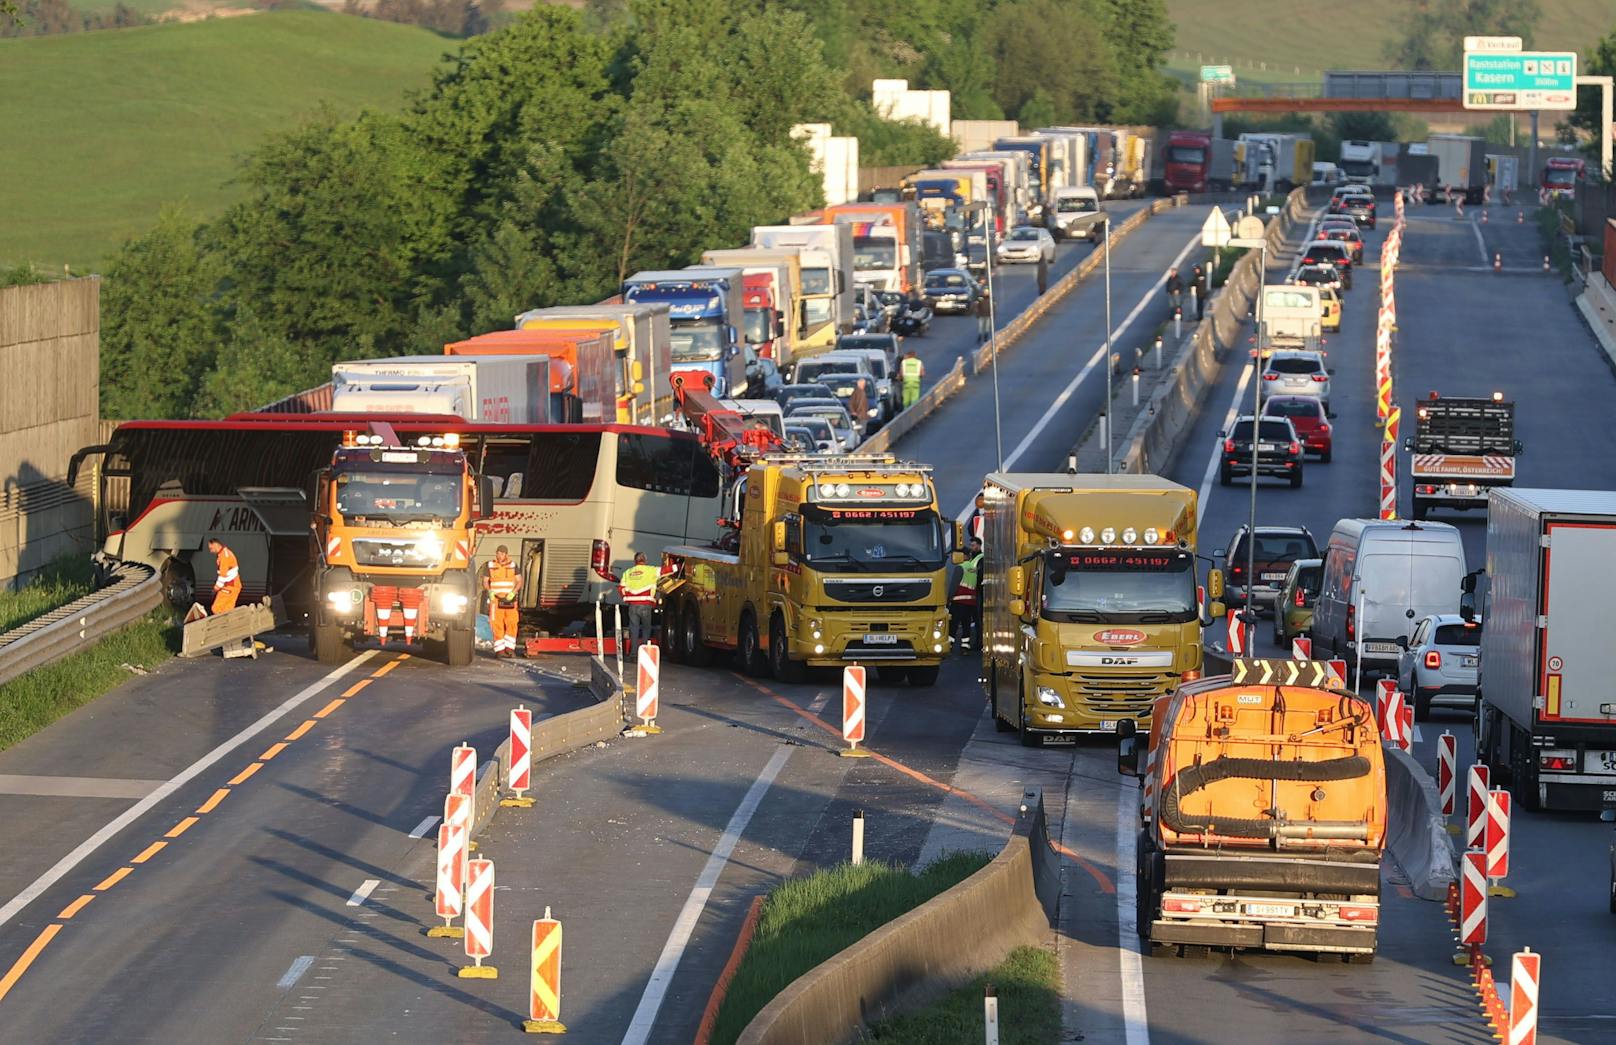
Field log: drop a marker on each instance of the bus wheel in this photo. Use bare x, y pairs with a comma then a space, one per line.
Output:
924, 676
785, 669
696, 652
459, 647
749, 649
179, 584
329, 645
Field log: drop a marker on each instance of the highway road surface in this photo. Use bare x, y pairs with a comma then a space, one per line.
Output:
293, 906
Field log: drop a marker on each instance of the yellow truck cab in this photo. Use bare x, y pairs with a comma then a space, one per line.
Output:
825, 561
1089, 603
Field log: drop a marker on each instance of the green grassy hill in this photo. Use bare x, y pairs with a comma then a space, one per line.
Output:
100, 130
1298, 40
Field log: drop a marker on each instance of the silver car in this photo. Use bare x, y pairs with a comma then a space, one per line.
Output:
881, 370
1439, 667
810, 435
1297, 373
1026, 243
832, 411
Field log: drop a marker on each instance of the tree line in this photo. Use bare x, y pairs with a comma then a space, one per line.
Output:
547, 160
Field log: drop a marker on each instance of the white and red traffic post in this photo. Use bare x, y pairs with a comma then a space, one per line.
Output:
1476, 807
853, 710
479, 919
519, 761
463, 779
1495, 839
1338, 670
1384, 688
451, 880
1524, 967
1473, 899
1405, 720
1446, 761
1301, 648
1237, 643
648, 684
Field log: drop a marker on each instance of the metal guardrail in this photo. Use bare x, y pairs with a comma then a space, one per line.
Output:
134, 592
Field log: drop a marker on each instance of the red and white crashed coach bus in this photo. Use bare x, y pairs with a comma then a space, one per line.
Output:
573, 502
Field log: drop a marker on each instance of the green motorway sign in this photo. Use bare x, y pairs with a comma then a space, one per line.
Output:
1523, 80
1217, 74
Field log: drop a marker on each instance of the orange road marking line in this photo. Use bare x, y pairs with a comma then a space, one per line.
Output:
76, 906
384, 669
355, 688
213, 803
114, 878
300, 730
401, 656
20, 966
334, 705
274, 749
149, 852
181, 827
242, 776
1100, 877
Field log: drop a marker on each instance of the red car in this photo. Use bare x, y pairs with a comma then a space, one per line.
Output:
1307, 416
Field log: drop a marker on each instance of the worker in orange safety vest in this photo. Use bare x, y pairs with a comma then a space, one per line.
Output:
502, 580
227, 584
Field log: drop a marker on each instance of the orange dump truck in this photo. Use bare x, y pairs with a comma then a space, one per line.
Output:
583, 367
1263, 817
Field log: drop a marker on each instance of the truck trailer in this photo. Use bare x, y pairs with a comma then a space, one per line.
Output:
496, 389
1546, 704
644, 348
705, 307
826, 253
785, 293
583, 372
1461, 167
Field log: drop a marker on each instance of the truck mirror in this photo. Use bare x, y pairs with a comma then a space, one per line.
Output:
780, 535
1126, 728
485, 497
636, 371
1408, 444
1127, 754
639, 387
957, 557
1216, 610
1214, 584
1467, 606
1018, 607
959, 535
1018, 584
779, 323
1518, 446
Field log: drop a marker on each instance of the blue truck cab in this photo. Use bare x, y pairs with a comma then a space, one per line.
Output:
706, 311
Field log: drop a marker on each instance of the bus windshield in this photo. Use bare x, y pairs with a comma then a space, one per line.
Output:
860, 541
1119, 586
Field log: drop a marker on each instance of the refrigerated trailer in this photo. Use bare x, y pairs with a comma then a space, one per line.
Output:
1546, 680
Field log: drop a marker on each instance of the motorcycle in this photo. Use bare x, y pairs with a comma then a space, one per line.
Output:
911, 321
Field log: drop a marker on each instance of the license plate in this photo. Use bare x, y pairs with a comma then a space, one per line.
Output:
1467, 662
1109, 724
1273, 576
844, 391
1271, 910
1268, 446
874, 638
1381, 647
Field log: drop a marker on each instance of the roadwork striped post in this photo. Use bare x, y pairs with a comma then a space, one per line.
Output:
1476, 807
648, 684
1472, 905
457, 813
1338, 668
853, 708
479, 920
1237, 635
1388, 465
1524, 966
463, 782
451, 882
1446, 777
544, 984
858, 837
519, 765
1301, 648
1495, 836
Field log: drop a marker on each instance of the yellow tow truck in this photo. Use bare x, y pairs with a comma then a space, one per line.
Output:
1090, 609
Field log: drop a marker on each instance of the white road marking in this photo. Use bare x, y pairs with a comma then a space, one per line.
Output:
1419, 738
644, 1021
818, 704
1088, 368
1135, 1017
424, 826
1481, 244
361, 894
67, 863
299, 966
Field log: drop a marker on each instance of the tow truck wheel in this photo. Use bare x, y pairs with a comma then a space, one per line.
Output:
697, 654
748, 650
668, 635
459, 646
924, 676
785, 669
328, 644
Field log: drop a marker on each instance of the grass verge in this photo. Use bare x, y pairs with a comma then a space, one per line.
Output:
1553, 238
35, 700
807, 920
1028, 987
61, 582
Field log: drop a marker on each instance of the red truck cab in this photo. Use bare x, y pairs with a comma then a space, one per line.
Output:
1562, 175
761, 306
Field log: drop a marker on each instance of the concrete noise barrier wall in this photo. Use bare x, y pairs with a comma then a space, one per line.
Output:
943, 943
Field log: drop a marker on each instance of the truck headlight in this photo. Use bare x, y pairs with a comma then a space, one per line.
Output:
817, 627
429, 549
344, 601
454, 602
1048, 697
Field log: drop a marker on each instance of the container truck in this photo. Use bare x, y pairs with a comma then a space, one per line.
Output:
972, 135
496, 389
886, 242
1037, 150
644, 351
1263, 814
1461, 166
998, 193
944, 193
826, 253
786, 293
705, 313
1089, 602
1546, 705
1279, 162
1132, 176
1504, 173
1017, 166
1066, 156
1360, 161
583, 373
1194, 161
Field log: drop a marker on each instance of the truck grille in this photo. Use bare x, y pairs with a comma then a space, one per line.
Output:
878, 590
564, 576
1125, 693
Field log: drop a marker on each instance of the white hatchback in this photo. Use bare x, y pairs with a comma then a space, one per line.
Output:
1439, 667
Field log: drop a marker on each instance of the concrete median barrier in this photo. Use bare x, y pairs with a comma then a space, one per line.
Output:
1415, 827
939, 945
924, 407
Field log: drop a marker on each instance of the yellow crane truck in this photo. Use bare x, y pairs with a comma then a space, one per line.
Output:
1090, 609
824, 561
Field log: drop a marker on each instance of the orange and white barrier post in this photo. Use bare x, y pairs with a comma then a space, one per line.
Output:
451, 883
1473, 901
853, 710
479, 920
1301, 648
648, 683
1446, 760
519, 768
1236, 643
463, 781
1405, 721
1338, 670
1388, 465
1384, 689
1495, 836
1524, 967
544, 986
457, 813
1476, 807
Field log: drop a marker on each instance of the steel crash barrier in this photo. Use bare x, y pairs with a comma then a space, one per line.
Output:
135, 590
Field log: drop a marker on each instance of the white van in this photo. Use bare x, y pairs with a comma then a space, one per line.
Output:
766, 410
1380, 578
1292, 314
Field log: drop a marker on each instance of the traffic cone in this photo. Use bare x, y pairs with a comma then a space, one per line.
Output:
1545, 263
1498, 261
